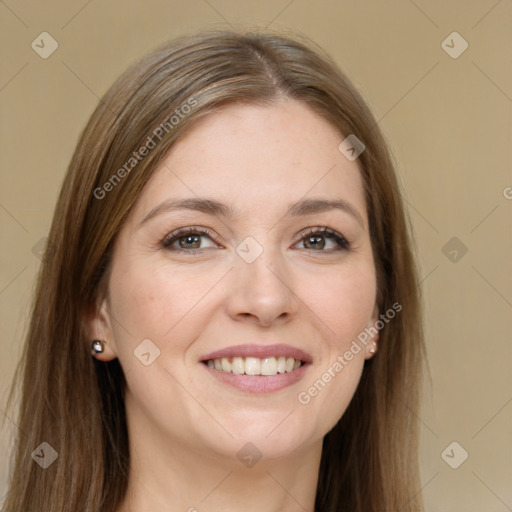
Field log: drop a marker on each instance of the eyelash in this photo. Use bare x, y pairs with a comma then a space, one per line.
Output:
343, 243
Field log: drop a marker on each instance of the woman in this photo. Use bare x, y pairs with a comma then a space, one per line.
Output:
231, 247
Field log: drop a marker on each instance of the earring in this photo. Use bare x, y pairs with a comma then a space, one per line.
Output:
97, 347
373, 348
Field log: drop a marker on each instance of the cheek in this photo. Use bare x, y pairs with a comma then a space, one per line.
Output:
152, 303
137, 304
156, 303
344, 301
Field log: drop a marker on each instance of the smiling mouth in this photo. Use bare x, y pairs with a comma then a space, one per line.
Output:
266, 366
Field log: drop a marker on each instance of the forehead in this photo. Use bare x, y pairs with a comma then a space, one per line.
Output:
256, 156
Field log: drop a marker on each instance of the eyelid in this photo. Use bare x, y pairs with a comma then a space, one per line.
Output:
177, 233
341, 241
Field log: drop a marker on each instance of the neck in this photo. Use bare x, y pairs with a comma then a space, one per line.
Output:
170, 475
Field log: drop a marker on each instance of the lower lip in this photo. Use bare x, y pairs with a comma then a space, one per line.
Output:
259, 383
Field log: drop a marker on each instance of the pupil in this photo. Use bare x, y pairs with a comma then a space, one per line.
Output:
189, 238
316, 241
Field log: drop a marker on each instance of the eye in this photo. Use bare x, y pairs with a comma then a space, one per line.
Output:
187, 240
319, 239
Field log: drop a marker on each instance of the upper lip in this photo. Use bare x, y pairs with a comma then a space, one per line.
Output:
259, 351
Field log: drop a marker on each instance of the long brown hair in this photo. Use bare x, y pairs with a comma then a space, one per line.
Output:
76, 404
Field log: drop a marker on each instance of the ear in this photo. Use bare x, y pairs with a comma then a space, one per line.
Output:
98, 326
372, 345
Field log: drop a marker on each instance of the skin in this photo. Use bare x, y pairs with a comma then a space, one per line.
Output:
186, 427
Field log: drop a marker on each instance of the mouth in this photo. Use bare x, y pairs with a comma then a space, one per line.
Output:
266, 366
258, 368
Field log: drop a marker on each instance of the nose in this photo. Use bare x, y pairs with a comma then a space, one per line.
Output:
262, 291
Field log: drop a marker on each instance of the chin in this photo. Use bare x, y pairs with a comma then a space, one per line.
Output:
274, 435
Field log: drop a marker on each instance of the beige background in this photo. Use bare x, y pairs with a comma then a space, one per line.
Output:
449, 124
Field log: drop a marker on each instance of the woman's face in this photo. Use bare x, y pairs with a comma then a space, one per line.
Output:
252, 275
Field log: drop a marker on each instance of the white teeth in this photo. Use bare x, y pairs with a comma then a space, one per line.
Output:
269, 366
281, 364
238, 366
252, 366
226, 365
255, 365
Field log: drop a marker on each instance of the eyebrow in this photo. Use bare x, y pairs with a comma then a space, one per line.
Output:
215, 208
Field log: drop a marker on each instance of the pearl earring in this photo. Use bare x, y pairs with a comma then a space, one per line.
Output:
97, 347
